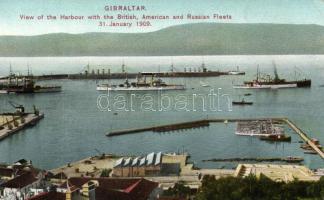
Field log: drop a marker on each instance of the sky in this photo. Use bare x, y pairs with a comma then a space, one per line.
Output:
241, 11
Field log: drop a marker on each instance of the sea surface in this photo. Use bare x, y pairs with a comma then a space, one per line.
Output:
74, 126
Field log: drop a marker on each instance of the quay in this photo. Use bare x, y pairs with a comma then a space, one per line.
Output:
206, 122
14, 125
183, 125
167, 169
170, 169
287, 159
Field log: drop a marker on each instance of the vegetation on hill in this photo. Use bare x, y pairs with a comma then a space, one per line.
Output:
188, 39
263, 188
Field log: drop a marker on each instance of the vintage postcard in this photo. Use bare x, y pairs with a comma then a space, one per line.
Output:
161, 99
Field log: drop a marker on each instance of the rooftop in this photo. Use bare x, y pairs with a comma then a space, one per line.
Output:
49, 196
149, 159
8, 172
117, 188
20, 181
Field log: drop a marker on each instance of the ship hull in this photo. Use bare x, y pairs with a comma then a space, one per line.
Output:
108, 88
236, 73
251, 134
239, 103
269, 85
47, 89
266, 86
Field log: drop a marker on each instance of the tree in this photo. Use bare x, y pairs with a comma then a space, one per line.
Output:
178, 190
253, 188
105, 173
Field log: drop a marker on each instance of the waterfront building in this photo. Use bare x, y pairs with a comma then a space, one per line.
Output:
149, 165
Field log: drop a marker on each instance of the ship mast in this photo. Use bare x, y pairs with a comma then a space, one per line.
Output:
123, 67
10, 74
257, 73
275, 72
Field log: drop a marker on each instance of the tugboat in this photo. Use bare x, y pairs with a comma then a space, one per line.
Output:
267, 82
310, 152
291, 159
242, 102
307, 147
276, 138
140, 85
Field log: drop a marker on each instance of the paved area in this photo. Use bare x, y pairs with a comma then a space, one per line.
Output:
284, 173
5, 118
92, 166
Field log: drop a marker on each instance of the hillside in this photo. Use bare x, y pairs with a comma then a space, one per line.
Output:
189, 39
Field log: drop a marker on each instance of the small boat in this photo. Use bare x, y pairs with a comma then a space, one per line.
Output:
291, 159
310, 152
236, 72
315, 141
308, 147
276, 137
247, 94
242, 102
204, 84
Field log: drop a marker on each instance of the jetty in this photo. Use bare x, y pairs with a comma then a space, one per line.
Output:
11, 123
287, 159
162, 128
206, 122
15, 124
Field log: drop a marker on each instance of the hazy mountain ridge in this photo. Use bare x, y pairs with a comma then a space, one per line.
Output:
189, 39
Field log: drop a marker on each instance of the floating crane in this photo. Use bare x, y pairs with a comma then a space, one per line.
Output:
101, 154
20, 109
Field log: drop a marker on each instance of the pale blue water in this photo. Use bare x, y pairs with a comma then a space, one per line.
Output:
74, 127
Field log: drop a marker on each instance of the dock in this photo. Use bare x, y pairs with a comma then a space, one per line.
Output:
305, 137
206, 122
30, 120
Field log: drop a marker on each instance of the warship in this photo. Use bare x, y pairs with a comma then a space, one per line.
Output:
268, 82
24, 84
141, 84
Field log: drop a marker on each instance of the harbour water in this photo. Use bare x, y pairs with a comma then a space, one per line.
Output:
74, 127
